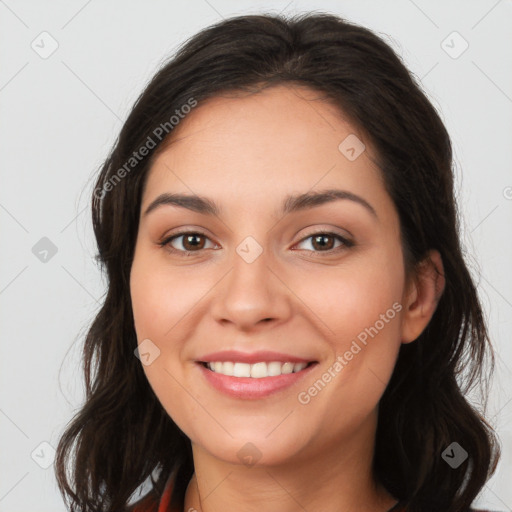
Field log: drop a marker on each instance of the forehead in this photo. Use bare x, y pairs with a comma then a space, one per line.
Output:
276, 116
252, 147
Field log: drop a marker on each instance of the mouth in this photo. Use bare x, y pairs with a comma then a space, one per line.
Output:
259, 370
259, 380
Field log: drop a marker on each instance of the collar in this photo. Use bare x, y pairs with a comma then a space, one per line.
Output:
165, 500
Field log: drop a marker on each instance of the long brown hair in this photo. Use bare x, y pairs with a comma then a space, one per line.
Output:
122, 435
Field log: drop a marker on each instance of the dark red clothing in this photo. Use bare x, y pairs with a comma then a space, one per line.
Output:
149, 504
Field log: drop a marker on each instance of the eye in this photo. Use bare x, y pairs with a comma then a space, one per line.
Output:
191, 242
320, 240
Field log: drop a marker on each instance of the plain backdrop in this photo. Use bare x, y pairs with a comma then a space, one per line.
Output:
69, 74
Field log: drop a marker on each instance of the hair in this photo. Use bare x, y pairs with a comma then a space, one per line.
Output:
122, 432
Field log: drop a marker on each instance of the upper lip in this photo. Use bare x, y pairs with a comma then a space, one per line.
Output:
251, 357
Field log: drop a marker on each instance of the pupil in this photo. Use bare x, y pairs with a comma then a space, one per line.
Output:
319, 239
192, 237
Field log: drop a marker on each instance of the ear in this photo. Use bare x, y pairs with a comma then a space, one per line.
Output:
422, 295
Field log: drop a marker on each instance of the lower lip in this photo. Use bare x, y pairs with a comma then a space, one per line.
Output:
250, 388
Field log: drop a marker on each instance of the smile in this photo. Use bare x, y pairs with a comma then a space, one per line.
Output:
253, 381
256, 371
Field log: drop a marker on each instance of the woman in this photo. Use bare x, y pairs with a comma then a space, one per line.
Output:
288, 309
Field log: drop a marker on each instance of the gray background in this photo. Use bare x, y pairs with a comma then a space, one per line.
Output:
60, 114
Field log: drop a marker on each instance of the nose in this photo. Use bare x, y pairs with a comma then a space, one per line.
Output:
252, 295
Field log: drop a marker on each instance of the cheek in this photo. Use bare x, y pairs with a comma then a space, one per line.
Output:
148, 299
368, 320
161, 296
158, 305
361, 308
157, 308
163, 302
350, 299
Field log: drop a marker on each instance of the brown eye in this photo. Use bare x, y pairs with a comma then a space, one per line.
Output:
193, 241
190, 242
321, 242
324, 242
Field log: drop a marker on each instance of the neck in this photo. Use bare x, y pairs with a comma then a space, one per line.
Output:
319, 477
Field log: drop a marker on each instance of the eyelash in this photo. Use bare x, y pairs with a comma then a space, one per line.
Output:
166, 242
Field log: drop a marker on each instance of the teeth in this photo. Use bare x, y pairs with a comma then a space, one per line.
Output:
242, 370
256, 370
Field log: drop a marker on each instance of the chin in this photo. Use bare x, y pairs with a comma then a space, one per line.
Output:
254, 448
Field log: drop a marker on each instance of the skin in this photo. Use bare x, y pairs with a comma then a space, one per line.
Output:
247, 153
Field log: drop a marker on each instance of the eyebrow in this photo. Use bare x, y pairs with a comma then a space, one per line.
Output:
292, 203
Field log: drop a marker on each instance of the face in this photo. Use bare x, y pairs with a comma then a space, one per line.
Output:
321, 281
